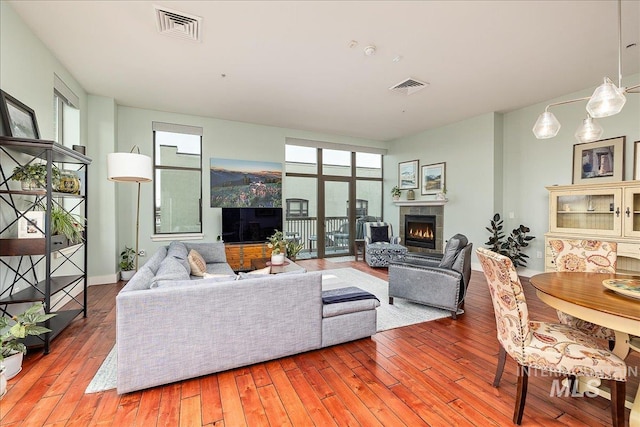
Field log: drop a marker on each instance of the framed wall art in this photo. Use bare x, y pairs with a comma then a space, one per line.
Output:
408, 175
18, 120
599, 161
433, 178
245, 183
31, 225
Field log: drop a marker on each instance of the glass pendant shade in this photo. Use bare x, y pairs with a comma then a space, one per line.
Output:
589, 131
547, 126
606, 100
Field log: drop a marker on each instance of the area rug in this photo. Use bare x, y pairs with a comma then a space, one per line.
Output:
401, 313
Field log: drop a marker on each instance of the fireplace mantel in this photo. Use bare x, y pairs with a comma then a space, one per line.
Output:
420, 202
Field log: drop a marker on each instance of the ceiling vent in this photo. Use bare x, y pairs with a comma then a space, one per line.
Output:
178, 24
409, 86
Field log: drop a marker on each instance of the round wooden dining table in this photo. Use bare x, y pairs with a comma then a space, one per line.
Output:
583, 295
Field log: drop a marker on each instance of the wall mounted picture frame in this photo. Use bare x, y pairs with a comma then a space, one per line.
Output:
31, 225
433, 178
599, 161
636, 160
408, 175
18, 120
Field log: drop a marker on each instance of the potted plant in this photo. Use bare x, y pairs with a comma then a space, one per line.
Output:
512, 247
66, 224
12, 349
293, 248
34, 175
395, 193
127, 263
278, 246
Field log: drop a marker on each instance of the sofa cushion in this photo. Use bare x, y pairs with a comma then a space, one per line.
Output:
178, 250
140, 280
165, 284
380, 234
220, 268
454, 245
154, 262
211, 252
170, 269
197, 263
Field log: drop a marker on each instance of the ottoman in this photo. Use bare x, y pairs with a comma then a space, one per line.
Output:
348, 320
380, 254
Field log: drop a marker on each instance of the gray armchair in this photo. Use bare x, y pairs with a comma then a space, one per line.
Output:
431, 279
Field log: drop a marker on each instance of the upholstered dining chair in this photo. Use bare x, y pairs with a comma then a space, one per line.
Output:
551, 347
591, 256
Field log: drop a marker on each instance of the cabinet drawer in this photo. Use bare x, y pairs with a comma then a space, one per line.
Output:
631, 250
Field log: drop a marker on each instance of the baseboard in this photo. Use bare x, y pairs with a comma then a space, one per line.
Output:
103, 280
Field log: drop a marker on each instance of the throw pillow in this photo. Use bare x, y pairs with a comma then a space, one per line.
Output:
454, 245
266, 270
219, 276
380, 234
197, 264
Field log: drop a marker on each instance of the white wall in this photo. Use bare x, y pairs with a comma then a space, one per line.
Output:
467, 147
221, 138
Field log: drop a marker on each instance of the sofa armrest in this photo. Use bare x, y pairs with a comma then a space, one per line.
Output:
418, 261
428, 285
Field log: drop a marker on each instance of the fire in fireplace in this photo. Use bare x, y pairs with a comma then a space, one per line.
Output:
420, 230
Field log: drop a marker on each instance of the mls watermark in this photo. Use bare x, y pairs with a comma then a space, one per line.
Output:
561, 386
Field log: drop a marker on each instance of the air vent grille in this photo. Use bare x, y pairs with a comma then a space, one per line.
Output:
178, 24
409, 86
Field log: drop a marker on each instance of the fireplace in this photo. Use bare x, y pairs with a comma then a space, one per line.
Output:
420, 231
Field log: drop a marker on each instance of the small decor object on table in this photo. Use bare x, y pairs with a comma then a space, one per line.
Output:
127, 263
395, 193
17, 119
277, 245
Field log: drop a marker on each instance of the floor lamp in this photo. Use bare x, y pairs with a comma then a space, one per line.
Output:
130, 167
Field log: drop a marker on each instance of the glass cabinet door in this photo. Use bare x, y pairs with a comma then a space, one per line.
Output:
597, 211
631, 211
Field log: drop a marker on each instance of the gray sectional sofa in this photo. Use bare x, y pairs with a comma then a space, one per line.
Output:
172, 328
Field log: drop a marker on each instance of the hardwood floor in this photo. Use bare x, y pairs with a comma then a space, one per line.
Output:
437, 373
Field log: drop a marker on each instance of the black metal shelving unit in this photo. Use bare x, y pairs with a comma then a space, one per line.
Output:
31, 273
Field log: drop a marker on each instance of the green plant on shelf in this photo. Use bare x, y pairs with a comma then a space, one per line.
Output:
35, 173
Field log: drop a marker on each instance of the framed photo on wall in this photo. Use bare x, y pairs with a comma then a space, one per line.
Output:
18, 120
408, 175
433, 178
599, 161
31, 225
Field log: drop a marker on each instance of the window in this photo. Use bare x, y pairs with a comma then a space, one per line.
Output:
362, 208
66, 114
297, 208
177, 178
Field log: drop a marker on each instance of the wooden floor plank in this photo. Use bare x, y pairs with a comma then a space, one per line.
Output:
436, 373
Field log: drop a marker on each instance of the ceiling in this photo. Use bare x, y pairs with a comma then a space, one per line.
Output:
294, 65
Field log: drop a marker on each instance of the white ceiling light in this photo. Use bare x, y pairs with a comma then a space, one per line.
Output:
606, 101
370, 50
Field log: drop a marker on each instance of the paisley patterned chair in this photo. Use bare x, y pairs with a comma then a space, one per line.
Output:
380, 245
592, 256
551, 347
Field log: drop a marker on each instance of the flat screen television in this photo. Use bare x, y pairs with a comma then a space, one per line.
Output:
250, 224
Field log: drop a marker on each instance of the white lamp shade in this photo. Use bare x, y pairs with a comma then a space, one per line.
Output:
129, 167
606, 100
547, 126
589, 131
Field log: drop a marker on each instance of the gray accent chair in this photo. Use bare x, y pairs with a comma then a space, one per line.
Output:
432, 279
380, 245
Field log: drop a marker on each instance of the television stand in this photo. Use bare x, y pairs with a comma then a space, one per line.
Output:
240, 255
